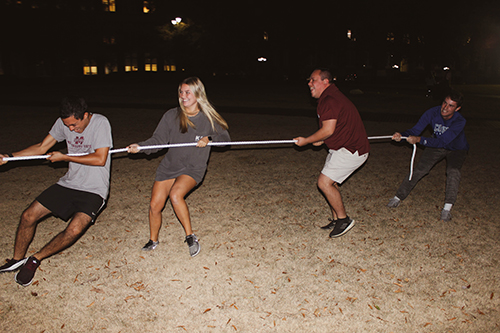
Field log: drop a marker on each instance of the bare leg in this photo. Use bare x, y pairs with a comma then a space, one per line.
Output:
159, 196
75, 229
332, 194
182, 186
27, 228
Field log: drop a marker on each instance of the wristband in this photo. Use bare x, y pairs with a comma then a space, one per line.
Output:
10, 155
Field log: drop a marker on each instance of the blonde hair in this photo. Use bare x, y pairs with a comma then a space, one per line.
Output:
198, 89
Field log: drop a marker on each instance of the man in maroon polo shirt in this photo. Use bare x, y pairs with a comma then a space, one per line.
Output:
343, 132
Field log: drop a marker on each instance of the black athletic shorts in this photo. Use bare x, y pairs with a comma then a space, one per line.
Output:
64, 202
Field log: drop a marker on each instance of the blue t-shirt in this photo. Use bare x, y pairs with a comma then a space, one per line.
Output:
448, 134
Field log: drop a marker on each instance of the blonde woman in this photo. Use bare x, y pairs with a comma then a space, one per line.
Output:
183, 168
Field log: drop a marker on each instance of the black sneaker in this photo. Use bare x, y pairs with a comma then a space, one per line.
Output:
25, 276
330, 225
194, 245
342, 226
12, 265
150, 245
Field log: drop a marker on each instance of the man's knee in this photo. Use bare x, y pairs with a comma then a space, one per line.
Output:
78, 225
33, 214
325, 182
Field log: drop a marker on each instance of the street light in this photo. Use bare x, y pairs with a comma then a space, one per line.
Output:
176, 21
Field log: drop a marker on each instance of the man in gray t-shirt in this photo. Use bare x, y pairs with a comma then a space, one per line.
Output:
79, 194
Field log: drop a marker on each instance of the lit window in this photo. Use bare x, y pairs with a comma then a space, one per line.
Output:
390, 37
168, 66
89, 67
131, 63
148, 6
109, 5
266, 36
150, 64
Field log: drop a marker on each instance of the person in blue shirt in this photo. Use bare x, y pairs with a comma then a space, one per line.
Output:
447, 142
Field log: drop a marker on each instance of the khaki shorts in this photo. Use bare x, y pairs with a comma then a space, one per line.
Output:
341, 163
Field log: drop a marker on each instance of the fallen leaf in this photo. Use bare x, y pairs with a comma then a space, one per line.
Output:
207, 310
97, 290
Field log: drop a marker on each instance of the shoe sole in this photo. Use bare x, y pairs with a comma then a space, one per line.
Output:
15, 267
346, 230
196, 253
151, 248
25, 284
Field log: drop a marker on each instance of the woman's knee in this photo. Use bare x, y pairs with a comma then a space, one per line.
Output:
156, 207
176, 197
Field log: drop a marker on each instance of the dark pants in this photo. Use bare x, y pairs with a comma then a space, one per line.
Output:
454, 161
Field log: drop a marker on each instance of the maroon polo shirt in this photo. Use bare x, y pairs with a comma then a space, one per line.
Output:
349, 132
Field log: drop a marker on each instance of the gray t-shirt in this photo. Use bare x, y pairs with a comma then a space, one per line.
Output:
88, 178
191, 161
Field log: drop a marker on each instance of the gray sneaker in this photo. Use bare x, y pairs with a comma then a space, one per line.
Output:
194, 245
394, 202
445, 215
150, 245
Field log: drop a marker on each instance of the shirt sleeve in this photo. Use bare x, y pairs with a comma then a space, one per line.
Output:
103, 137
422, 123
57, 130
161, 136
220, 134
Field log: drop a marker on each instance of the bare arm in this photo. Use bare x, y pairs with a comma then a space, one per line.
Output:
326, 130
37, 149
97, 158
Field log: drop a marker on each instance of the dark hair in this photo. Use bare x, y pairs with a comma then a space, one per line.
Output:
73, 106
325, 73
456, 96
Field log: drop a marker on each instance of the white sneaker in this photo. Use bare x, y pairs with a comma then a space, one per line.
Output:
445, 215
394, 202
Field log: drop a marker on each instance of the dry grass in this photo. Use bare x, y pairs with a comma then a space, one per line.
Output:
264, 264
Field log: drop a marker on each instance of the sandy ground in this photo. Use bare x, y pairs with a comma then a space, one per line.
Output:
264, 266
